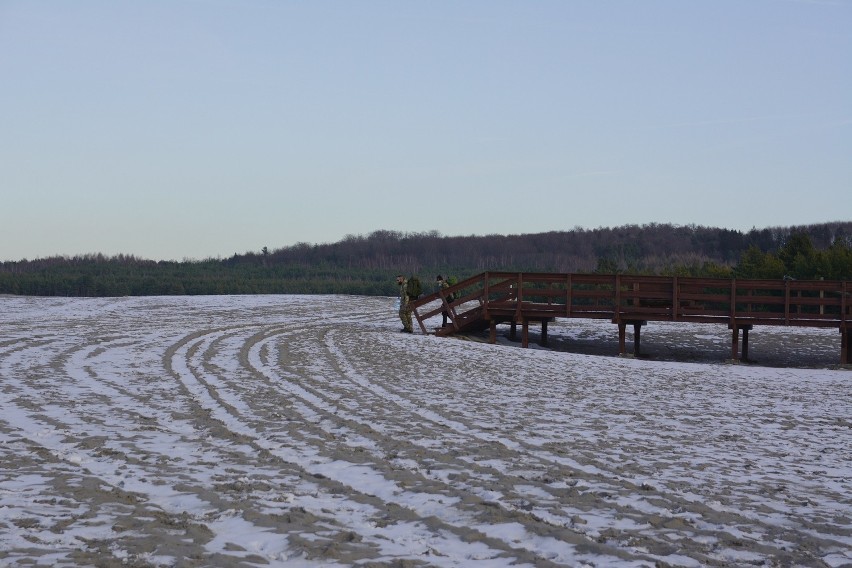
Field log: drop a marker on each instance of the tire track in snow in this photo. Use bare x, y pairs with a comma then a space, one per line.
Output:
332, 358
62, 431
362, 480
625, 508
325, 409
515, 451
705, 519
120, 472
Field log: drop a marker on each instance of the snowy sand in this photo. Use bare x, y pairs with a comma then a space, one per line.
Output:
307, 431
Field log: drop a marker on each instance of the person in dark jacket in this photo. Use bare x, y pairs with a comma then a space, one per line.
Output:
442, 284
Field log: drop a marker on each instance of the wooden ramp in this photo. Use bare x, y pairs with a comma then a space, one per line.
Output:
488, 299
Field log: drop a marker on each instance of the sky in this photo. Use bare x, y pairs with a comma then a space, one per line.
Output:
193, 129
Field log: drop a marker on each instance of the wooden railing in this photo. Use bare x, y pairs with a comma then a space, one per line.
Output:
493, 297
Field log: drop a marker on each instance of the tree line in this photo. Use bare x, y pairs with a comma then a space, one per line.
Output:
367, 264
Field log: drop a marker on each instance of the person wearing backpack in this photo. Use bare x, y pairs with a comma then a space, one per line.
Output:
404, 309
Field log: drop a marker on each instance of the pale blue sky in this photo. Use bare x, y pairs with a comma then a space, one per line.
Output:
180, 129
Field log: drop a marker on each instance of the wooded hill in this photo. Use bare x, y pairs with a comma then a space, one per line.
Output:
367, 265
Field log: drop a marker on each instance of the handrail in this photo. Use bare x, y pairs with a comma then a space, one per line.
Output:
514, 296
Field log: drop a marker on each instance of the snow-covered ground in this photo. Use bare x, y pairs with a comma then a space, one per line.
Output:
307, 431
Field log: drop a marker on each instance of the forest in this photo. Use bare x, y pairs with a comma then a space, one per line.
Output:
367, 264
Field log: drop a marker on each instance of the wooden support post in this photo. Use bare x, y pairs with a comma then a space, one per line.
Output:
735, 342
525, 333
420, 321
622, 333
746, 329
637, 327
543, 339
513, 331
492, 335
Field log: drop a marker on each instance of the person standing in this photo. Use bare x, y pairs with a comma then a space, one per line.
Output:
404, 309
442, 284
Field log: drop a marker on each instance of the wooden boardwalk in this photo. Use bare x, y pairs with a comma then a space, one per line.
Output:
488, 299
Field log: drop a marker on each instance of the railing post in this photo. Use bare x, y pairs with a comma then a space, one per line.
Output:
675, 299
519, 296
786, 302
568, 297
845, 339
733, 302
485, 296
616, 315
